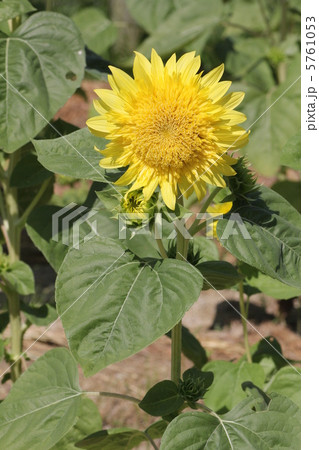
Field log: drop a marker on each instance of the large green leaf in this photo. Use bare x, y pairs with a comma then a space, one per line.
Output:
290, 154
13, 8
287, 381
28, 172
98, 32
122, 438
277, 426
41, 65
88, 421
42, 404
272, 244
162, 399
55, 246
72, 155
218, 274
149, 14
226, 391
20, 277
112, 305
274, 116
290, 190
270, 286
183, 26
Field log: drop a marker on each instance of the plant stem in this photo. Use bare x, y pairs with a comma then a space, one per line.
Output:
244, 315
113, 395
176, 334
15, 326
13, 240
161, 248
176, 352
195, 225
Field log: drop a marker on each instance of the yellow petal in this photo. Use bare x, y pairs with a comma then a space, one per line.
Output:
231, 100
150, 188
168, 194
170, 65
157, 68
220, 209
141, 67
111, 99
113, 84
100, 107
213, 76
218, 90
123, 80
129, 176
97, 125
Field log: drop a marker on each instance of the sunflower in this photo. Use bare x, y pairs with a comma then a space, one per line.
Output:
170, 125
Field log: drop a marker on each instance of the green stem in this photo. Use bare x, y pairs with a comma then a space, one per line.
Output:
161, 248
13, 240
176, 334
195, 225
244, 315
176, 352
15, 326
113, 395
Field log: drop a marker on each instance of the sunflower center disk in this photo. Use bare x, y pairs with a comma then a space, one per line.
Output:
167, 133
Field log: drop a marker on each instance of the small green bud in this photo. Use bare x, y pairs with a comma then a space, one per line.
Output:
194, 385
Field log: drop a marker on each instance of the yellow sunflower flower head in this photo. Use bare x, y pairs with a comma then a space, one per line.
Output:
170, 125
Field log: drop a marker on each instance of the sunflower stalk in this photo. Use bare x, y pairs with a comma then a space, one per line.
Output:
195, 225
13, 239
244, 315
176, 334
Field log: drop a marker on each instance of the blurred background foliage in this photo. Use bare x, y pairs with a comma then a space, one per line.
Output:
258, 40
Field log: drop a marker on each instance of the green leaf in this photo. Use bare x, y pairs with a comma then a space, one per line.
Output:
162, 399
264, 111
40, 316
287, 382
9, 9
88, 421
28, 172
134, 303
188, 23
218, 274
149, 14
207, 248
226, 391
290, 154
32, 82
240, 429
20, 277
268, 354
192, 348
271, 241
42, 404
268, 285
98, 32
73, 155
291, 191
122, 438
55, 246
